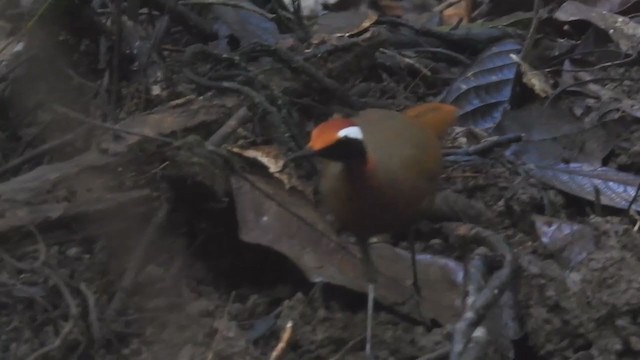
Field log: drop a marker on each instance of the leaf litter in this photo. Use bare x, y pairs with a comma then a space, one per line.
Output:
243, 263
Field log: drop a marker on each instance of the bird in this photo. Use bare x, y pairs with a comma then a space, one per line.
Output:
379, 172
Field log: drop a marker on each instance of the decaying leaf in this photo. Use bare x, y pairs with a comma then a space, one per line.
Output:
165, 120
84, 184
460, 11
537, 122
344, 23
553, 135
311, 7
70, 188
588, 146
622, 30
609, 5
273, 158
612, 187
286, 222
537, 80
483, 91
570, 242
248, 26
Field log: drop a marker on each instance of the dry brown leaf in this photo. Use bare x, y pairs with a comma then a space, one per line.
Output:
570, 242
537, 80
461, 10
286, 222
344, 23
622, 30
165, 120
74, 187
273, 159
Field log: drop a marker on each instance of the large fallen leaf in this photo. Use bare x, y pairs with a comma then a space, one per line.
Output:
553, 135
460, 11
609, 5
85, 184
273, 159
41, 182
249, 23
286, 222
570, 242
622, 30
165, 120
344, 23
614, 188
483, 91
537, 122
76, 187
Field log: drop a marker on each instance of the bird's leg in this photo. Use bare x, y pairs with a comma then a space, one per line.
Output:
370, 273
414, 265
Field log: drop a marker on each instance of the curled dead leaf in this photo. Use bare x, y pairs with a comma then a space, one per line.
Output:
273, 159
286, 222
537, 80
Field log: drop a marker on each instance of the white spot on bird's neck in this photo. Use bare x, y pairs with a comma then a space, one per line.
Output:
351, 132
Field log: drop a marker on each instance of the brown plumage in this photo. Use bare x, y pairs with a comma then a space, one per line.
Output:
393, 187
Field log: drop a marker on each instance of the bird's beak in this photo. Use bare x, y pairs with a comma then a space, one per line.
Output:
306, 152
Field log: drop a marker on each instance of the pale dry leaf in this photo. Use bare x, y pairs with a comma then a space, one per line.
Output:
461, 10
537, 80
344, 23
273, 159
622, 30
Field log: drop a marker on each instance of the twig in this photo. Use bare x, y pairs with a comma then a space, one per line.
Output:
234, 123
285, 337
42, 253
136, 261
225, 316
347, 347
476, 274
286, 135
463, 60
93, 314
528, 44
73, 314
232, 3
478, 343
79, 117
476, 311
409, 62
584, 82
445, 5
316, 76
186, 18
46, 148
485, 146
116, 21
439, 354
635, 196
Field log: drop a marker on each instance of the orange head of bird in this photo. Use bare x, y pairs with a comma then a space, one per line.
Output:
337, 139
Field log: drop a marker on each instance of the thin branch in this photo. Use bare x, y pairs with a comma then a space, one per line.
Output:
135, 263
73, 314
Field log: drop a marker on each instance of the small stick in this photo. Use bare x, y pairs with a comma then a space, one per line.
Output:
93, 314
234, 123
484, 146
476, 311
344, 350
136, 260
285, 337
73, 315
